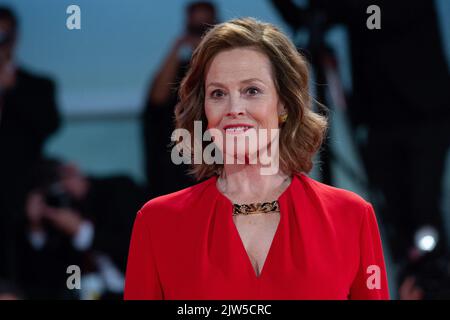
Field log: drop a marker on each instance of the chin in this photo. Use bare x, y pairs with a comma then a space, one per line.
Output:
242, 156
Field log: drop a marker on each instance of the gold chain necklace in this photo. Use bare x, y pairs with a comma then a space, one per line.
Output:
253, 208
258, 207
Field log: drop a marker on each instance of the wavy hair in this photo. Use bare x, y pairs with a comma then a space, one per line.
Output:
303, 132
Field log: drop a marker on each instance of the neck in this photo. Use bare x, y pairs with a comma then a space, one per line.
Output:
245, 183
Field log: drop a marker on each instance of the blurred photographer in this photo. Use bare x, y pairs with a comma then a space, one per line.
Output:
28, 116
74, 219
400, 81
158, 117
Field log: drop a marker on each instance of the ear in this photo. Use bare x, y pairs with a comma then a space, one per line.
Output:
281, 108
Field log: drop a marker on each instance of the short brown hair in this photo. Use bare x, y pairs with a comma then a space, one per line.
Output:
301, 135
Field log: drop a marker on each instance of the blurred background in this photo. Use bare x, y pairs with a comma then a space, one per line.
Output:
86, 116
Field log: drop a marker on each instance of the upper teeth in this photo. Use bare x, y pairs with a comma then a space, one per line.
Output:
236, 128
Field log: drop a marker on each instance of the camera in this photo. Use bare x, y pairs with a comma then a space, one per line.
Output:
55, 196
197, 30
46, 177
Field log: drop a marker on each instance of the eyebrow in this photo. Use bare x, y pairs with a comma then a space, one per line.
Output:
218, 84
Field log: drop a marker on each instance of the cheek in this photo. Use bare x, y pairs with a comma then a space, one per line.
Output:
213, 115
266, 114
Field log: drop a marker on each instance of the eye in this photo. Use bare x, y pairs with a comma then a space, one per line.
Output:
252, 91
217, 94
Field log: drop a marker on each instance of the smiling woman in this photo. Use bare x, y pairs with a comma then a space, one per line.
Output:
262, 65
245, 235
241, 95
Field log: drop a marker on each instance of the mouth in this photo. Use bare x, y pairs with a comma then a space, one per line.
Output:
237, 128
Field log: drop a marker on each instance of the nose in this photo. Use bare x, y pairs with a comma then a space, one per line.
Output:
236, 107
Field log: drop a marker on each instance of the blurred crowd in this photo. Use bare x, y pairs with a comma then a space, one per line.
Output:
52, 215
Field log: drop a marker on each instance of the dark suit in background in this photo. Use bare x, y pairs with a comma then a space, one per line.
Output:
29, 115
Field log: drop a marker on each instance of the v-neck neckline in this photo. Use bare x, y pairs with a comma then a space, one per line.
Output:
236, 236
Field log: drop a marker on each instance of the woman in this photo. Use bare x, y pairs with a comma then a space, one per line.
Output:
245, 233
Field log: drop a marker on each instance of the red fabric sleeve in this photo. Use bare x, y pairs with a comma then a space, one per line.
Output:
370, 282
141, 280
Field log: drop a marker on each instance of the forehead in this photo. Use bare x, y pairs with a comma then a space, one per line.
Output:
239, 64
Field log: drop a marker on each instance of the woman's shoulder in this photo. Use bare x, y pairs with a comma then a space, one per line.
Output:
334, 199
175, 202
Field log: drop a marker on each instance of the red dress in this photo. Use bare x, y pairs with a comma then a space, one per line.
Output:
186, 246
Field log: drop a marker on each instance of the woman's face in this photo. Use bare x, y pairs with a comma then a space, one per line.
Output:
241, 98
